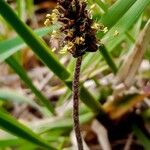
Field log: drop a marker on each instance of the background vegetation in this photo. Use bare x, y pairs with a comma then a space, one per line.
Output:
35, 83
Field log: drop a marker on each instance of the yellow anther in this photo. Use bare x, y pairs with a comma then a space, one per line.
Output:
54, 49
55, 34
79, 40
67, 47
51, 19
48, 15
70, 45
70, 33
105, 30
116, 33
96, 26
47, 22
55, 11
92, 6
64, 49
99, 27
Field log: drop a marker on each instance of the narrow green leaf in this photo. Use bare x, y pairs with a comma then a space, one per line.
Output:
11, 125
13, 95
123, 25
87, 97
21, 72
59, 124
30, 8
116, 11
108, 58
10, 142
11, 46
21, 6
101, 5
126, 22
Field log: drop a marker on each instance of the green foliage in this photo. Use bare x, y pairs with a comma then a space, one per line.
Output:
11, 46
124, 17
13, 126
20, 71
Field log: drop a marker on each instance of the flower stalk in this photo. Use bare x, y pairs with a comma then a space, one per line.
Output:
75, 89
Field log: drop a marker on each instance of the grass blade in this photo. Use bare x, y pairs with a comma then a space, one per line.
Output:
117, 11
10, 142
122, 26
87, 97
14, 96
108, 58
11, 125
126, 22
11, 46
21, 6
21, 72
101, 5
63, 124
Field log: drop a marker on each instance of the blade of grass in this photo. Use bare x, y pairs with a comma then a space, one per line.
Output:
115, 12
59, 124
123, 25
10, 142
101, 5
108, 58
127, 21
7, 139
14, 96
87, 97
11, 46
30, 7
11, 125
21, 72
21, 9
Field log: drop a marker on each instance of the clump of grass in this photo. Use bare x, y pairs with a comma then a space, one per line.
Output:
107, 92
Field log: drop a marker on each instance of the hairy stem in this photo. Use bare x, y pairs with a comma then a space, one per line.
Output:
75, 88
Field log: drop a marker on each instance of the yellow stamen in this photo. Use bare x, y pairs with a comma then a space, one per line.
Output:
79, 40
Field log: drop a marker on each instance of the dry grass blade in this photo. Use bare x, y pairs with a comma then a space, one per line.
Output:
129, 142
101, 132
133, 60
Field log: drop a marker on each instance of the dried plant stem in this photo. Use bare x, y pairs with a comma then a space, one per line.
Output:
75, 88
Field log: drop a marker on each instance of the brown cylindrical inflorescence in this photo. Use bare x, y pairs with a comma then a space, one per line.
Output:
77, 27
